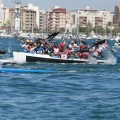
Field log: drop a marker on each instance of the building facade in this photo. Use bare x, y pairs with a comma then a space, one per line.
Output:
106, 18
71, 20
42, 21
56, 18
37, 10
31, 18
1, 12
93, 17
117, 14
27, 19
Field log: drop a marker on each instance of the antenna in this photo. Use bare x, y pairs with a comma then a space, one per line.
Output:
17, 2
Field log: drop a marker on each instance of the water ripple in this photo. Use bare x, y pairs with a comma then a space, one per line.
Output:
74, 92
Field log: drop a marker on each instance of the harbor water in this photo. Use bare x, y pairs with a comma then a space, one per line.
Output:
72, 92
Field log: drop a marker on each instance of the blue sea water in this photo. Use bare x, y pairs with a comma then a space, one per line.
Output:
73, 92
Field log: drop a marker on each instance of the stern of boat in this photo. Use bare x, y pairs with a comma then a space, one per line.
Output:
19, 57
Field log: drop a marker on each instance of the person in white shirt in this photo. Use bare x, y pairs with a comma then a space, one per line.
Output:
72, 45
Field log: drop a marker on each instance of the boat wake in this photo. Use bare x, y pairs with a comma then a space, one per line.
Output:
110, 58
92, 60
7, 61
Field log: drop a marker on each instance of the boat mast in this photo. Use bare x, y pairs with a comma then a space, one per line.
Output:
77, 24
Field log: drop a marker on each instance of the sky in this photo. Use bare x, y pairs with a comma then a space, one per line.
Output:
107, 5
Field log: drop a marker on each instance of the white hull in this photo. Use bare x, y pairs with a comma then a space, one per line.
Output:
21, 57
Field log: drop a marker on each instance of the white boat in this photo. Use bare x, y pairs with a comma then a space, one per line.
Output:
21, 57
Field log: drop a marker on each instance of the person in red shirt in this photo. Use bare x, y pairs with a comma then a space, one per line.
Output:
83, 53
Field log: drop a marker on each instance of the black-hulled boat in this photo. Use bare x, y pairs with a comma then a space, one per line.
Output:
22, 57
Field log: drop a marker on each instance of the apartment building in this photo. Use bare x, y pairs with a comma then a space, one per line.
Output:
42, 21
6, 14
35, 8
4, 22
93, 17
106, 18
12, 18
71, 17
28, 19
117, 14
1, 12
56, 18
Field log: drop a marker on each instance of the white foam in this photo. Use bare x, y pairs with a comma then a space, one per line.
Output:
92, 60
110, 58
7, 61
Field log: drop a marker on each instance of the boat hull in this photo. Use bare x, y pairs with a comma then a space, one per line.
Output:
21, 57
54, 60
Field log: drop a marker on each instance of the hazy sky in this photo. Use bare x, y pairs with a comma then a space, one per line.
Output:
68, 4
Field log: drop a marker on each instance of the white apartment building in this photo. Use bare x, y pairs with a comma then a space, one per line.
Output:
71, 17
1, 12
111, 17
42, 20
29, 17
6, 14
93, 16
35, 8
106, 17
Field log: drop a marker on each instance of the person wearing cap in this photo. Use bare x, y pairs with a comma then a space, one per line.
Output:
26, 45
63, 52
31, 46
84, 50
82, 45
83, 53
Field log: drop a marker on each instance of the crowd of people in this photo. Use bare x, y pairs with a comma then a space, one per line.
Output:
81, 50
